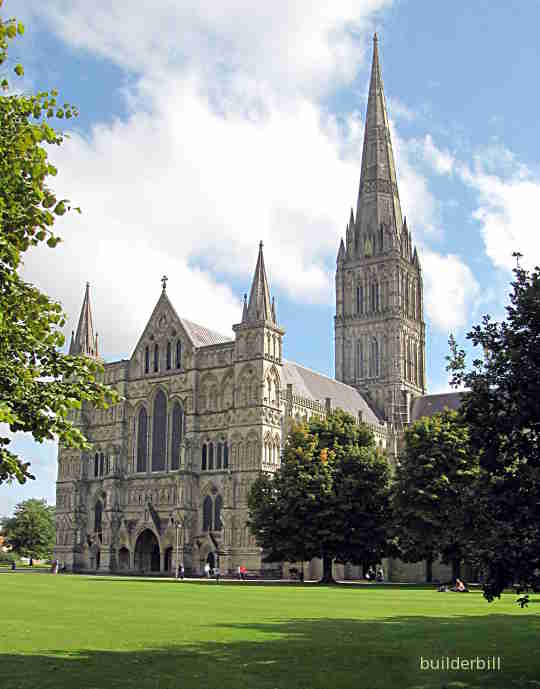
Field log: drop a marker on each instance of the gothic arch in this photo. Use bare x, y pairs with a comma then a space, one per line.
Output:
159, 429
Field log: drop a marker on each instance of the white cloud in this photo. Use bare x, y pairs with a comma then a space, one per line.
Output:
441, 161
450, 290
180, 186
507, 207
290, 44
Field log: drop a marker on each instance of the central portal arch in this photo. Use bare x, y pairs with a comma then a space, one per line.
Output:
147, 552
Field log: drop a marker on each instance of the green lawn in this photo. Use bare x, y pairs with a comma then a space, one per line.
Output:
100, 633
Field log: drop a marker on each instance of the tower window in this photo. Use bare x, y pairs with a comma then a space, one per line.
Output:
360, 300
146, 360
225, 455
96, 465
210, 456
178, 354
169, 356
156, 358
204, 455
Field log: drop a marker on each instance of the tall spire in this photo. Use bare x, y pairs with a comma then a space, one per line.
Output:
260, 306
84, 341
378, 198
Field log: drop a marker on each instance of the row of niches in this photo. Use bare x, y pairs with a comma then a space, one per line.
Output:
250, 390
268, 343
157, 359
375, 297
215, 456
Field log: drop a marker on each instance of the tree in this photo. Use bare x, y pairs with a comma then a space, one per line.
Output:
330, 498
39, 385
434, 491
502, 409
31, 530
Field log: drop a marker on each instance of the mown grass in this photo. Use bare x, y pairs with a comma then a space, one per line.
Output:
102, 633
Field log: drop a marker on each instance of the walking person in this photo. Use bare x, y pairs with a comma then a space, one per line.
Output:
239, 572
207, 570
181, 571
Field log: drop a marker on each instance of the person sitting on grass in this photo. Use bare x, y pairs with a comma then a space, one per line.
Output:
460, 587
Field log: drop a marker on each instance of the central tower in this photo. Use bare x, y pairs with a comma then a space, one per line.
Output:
379, 326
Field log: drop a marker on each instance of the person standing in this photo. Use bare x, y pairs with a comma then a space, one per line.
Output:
239, 571
181, 571
207, 570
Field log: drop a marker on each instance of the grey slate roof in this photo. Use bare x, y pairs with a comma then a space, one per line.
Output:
433, 404
202, 336
316, 386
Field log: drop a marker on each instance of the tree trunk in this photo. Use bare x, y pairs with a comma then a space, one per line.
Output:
429, 570
327, 577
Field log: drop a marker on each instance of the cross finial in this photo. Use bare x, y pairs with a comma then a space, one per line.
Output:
164, 282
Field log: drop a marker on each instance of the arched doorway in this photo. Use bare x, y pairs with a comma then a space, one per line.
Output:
147, 552
123, 558
167, 563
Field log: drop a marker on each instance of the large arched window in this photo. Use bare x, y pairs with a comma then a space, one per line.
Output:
176, 439
204, 457
169, 356
156, 358
210, 456
178, 354
225, 455
219, 455
159, 432
142, 440
218, 505
146, 360
97, 516
207, 513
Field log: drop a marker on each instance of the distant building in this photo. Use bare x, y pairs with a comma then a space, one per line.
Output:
172, 465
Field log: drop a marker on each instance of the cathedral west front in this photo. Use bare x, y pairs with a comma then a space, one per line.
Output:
170, 469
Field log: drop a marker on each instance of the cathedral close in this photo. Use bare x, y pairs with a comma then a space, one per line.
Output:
170, 469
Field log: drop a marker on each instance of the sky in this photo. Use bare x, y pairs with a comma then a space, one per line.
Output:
206, 127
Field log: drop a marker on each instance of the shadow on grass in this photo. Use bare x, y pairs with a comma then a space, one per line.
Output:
301, 654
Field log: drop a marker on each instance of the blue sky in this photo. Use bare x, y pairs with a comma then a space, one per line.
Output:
206, 127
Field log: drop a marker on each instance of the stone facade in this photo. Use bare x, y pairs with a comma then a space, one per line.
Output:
169, 473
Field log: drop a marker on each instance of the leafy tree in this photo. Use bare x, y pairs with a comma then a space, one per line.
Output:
330, 498
502, 409
434, 491
39, 385
31, 530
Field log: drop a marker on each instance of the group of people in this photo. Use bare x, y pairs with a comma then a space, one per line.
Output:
458, 587
375, 574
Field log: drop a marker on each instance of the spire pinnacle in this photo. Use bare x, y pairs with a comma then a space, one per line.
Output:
378, 197
84, 341
259, 307
244, 309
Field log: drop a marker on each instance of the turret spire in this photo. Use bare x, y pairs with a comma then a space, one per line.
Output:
378, 198
84, 341
260, 306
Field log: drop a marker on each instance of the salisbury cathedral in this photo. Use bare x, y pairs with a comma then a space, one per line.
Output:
171, 466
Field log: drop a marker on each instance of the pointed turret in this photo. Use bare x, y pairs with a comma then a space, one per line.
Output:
259, 307
244, 310
378, 198
341, 252
84, 341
